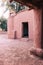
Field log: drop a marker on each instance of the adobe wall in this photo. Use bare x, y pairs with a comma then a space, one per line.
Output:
25, 16
37, 27
15, 23
10, 27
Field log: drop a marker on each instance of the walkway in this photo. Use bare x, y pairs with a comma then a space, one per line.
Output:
16, 52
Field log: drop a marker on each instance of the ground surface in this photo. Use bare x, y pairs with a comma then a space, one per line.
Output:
16, 52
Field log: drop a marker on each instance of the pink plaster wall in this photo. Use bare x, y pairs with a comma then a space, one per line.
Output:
37, 27
24, 16
10, 27
15, 24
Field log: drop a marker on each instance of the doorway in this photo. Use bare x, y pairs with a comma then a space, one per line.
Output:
25, 29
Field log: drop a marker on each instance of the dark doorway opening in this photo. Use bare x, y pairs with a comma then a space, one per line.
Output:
25, 29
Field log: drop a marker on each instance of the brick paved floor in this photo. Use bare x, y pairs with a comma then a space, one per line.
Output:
16, 52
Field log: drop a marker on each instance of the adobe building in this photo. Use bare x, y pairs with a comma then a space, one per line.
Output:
35, 22
20, 25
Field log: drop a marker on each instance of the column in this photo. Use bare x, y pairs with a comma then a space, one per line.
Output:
37, 50
37, 27
42, 31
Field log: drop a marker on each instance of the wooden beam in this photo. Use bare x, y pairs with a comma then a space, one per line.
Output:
30, 3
